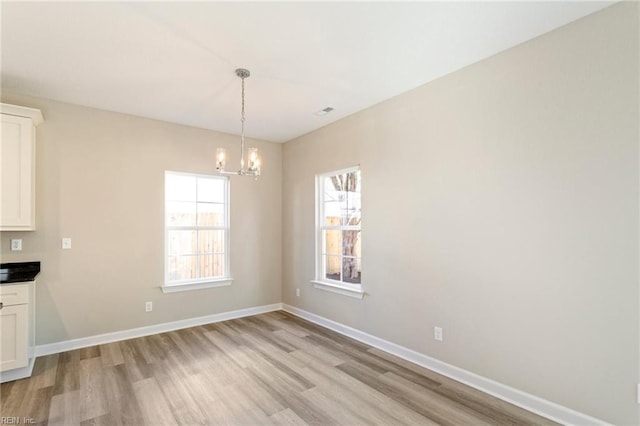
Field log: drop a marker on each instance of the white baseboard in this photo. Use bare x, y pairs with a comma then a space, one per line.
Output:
516, 397
67, 345
18, 373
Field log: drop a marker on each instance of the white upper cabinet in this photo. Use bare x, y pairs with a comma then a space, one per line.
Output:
18, 168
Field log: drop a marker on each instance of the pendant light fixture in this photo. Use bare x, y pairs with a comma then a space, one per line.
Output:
253, 161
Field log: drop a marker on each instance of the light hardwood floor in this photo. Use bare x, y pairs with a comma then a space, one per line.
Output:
268, 369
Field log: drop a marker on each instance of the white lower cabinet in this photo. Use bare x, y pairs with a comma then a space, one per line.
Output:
17, 333
14, 326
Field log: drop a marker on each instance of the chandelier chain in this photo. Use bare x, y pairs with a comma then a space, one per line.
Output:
242, 117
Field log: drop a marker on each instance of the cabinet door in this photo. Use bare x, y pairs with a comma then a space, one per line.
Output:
17, 174
14, 332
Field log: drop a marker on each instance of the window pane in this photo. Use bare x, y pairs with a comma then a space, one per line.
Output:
332, 201
332, 214
181, 268
351, 270
211, 190
210, 214
351, 209
182, 242
180, 188
345, 182
352, 182
332, 267
342, 213
331, 188
350, 244
341, 207
211, 242
332, 243
211, 266
181, 213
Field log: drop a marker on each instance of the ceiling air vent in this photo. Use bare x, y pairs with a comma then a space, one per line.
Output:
324, 111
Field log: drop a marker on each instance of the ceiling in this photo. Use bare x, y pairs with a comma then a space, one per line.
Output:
175, 61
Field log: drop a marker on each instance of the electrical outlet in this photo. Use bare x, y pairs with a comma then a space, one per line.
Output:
148, 306
16, 245
298, 292
66, 243
437, 333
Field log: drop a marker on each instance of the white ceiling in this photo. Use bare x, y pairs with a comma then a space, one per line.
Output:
175, 61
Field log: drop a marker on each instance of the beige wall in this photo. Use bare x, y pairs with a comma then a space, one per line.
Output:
100, 178
501, 203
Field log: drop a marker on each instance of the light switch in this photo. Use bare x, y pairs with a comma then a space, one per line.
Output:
16, 245
66, 243
437, 333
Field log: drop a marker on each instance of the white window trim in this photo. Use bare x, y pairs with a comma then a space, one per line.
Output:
339, 289
320, 282
200, 283
175, 288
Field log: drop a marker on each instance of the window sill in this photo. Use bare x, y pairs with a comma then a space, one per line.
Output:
175, 288
335, 288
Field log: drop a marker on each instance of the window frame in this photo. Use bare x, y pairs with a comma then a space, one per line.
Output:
204, 282
320, 280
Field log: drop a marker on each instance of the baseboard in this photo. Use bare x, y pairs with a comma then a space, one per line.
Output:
18, 373
67, 345
516, 397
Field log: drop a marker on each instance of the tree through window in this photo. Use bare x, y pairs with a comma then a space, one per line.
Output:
339, 231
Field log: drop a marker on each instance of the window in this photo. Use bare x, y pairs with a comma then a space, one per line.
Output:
339, 234
196, 231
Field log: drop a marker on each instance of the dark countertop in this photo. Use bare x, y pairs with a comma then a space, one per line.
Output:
18, 272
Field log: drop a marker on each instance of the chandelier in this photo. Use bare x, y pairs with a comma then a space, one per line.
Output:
253, 161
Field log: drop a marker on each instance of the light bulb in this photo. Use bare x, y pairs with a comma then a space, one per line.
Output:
221, 158
253, 158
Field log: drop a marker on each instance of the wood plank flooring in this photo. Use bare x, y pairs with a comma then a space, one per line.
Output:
273, 368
